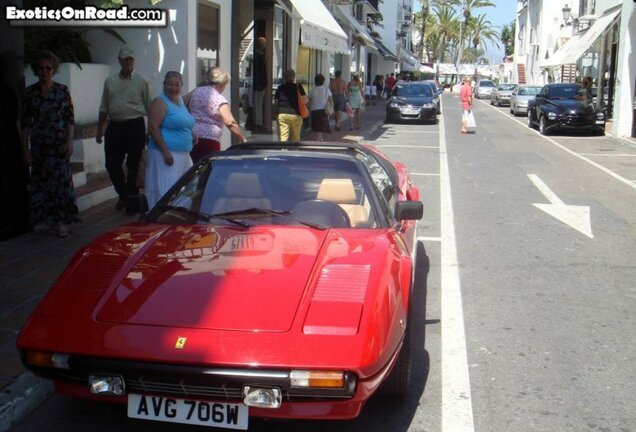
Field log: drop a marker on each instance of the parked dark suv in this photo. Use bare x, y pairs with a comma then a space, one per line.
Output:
565, 106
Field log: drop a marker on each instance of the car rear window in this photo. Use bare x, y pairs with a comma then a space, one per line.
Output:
530, 91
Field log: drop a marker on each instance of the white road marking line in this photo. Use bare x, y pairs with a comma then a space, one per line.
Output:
406, 146
429, 239
573, 153
411, 130
608, 154
577, 217
457, 410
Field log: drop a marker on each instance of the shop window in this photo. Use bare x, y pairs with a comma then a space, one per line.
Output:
207, 38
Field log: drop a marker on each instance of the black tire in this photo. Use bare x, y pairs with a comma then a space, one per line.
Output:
530, 123
543, 126
398, 381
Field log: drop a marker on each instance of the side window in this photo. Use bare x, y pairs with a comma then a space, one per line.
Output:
382, 181
544, 92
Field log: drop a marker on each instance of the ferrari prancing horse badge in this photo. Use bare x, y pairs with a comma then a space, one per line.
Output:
181, 341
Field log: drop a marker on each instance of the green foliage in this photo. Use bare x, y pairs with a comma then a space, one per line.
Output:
508, 38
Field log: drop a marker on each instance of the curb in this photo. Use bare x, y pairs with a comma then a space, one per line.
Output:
21, 398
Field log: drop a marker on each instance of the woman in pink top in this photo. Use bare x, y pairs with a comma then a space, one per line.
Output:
211, 112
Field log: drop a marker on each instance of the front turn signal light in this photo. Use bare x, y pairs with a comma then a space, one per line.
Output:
46, 359
317, 379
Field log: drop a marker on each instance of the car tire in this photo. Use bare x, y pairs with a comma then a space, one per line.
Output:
511, 110
498, 103
398, 381
530, 123
543, 126
492, 102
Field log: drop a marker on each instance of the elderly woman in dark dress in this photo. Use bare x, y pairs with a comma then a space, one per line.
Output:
47, 144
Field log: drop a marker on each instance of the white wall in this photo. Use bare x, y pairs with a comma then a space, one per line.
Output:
388, 9
159, 50
625, 72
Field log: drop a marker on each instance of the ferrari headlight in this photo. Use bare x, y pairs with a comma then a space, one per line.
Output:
552, 115
262, 397
319, 379
106, 385
600, 115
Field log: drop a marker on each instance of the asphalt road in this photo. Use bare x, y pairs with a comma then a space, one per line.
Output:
524, 316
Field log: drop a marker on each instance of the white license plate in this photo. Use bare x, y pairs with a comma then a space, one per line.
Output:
599, 122
186, 411
410, 111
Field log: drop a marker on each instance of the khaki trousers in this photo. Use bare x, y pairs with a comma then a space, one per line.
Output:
289, 126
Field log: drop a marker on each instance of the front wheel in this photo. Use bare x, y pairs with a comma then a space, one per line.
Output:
543, 126
530, 123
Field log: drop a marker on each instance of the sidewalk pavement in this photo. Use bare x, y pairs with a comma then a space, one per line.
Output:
30, 263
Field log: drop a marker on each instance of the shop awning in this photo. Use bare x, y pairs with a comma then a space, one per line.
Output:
384, 51
574, 48
410, 60
355, 25
319, 29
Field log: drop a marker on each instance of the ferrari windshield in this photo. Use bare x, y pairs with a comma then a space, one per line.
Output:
277, 189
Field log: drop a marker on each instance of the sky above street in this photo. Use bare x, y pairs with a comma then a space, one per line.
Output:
503, 13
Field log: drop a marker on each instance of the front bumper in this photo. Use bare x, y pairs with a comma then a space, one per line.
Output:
410, 113
576, 123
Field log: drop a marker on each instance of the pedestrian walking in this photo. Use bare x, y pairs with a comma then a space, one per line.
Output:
288, 96
355, 89
319, 98
466, 97
338, 88
171, 139
211, 113
125, 103
48, 124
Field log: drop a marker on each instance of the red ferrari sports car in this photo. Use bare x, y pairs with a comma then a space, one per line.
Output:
273, 280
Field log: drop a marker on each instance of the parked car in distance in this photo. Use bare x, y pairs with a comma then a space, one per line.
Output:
520, 97
436, 94
272, 280
564, 106
501, 95
483, 88
412, 102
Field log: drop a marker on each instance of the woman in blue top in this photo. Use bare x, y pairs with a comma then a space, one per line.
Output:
171, 139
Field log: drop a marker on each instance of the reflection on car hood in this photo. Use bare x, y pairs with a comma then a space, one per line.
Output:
202, 276
572, 105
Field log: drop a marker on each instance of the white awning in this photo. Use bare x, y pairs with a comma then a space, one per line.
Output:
319, 29
408, 58
355, 25
574, 48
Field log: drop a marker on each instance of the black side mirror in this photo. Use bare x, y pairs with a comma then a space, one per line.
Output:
409, 210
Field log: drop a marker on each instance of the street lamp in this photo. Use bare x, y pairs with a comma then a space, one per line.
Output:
568, 18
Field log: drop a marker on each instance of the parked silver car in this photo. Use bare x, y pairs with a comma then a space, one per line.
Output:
483, 88
501, 95
520, 97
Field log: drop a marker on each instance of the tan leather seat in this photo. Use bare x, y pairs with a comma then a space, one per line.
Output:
342, 192
242, 191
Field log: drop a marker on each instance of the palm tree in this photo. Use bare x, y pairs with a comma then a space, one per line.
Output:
467, 7
447, 29
481, 30
508, 38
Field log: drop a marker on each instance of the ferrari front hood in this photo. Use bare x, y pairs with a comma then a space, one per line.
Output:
217, 278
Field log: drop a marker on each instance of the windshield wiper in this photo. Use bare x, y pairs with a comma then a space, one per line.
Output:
203, 216
200, 215
263, 211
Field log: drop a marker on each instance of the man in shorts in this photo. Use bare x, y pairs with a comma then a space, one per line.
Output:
466, 97
338, 89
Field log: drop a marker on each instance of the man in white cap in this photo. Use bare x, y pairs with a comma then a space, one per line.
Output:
125, 102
